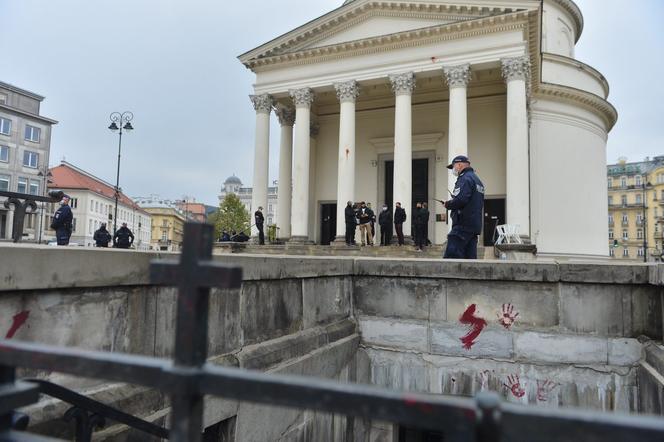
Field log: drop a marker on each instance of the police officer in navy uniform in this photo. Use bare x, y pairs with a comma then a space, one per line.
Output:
466, 205
259, 219
62, 222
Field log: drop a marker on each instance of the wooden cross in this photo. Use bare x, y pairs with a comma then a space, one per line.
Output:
194, 275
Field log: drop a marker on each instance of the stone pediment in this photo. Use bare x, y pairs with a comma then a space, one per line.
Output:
366, 19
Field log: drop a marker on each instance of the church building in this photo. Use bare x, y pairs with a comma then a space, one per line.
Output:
375, 98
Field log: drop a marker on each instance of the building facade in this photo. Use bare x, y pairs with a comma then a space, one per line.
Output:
167, 222
25, 145
394, 90
636, 209
93, 203
233, 184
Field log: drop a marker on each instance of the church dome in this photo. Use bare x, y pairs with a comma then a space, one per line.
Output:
233, 180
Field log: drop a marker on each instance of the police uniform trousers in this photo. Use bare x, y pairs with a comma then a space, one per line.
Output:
461, 245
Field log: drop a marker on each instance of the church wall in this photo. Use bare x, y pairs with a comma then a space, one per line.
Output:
567, 72
559, 34
568, 180
486, 139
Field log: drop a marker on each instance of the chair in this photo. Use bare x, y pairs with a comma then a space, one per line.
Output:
508, 234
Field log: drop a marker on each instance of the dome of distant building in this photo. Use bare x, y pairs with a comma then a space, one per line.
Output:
233, 180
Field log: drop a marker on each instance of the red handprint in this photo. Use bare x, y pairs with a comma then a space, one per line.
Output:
544, 389
477, 325
508, 317
514, 384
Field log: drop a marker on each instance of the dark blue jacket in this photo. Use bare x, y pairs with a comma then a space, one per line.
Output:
467, 202
63, 218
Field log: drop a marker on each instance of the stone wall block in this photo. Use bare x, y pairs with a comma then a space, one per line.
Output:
224, 327
560, 349
601, 273
405, 298
270, 309
491, 343
536, 303
592, 308
142, 320
625, 351
325, 300
385, 332
646, 311
167, 299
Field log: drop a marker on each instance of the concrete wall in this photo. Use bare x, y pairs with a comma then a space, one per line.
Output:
573, 341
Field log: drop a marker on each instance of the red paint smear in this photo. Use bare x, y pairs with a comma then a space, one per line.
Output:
424, 408
477, 325
19, 319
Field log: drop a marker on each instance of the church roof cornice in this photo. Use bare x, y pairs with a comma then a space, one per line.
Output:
594, 103
338, 19
450, 31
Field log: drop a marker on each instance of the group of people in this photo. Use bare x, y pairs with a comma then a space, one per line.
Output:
466, 205
63, 220
233, 236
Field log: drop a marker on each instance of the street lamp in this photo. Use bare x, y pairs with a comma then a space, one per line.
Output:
119, 121
46, 174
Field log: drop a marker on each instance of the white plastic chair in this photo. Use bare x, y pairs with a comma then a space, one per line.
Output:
508, 234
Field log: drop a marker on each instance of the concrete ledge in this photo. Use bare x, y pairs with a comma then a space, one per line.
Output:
560, 349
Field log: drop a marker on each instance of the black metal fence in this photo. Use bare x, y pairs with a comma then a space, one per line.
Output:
188, 378
22, 202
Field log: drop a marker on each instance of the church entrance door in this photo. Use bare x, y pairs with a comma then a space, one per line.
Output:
420, 190
494, 215
328, 226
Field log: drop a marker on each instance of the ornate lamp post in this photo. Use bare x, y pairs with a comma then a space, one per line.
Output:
119, 121
46, 175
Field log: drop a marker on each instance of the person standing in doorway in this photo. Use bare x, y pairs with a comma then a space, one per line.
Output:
259, 220
349, 215
417, 226
385, 222
123, 238
372, 221
365, 223
102, 237
62, 222
466, 205
399, 219
425, 223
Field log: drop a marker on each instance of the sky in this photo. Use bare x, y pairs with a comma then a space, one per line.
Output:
174, 64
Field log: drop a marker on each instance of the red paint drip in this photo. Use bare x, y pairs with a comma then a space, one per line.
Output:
476, 326
18, 320
424, 408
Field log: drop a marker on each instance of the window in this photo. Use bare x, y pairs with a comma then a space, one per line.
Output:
73, 203
269, 220
639, 252
612, 252
32, 133
610, 219
90, 226
639, 234
637, 180
624, 218
638, 198
30, 159
164, 223
610, 233
625, 234
610, 201
662, 194
5, 126
623, 182
34, 187
73, 225
610, 181
3, 99
4, 154
4, 183
639, 218
22, 185
164, 235
626, 252
655, 211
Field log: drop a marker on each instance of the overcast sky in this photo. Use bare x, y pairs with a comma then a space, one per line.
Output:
173, 64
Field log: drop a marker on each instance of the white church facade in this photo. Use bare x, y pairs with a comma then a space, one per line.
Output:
376, 97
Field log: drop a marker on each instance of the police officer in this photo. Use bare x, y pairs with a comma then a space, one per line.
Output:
466, 205
123, 238
102, 237
349, 217
259, 219
62, 222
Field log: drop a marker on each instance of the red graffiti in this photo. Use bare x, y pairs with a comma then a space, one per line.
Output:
508, 317
433, 59
18, 320
412, 402
544, 389
347, 153
514, 385
476, 326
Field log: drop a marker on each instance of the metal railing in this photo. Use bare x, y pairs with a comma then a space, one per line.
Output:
22, 202
187, 378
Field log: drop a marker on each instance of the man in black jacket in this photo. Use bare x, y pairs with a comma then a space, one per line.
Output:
349, 216
63, 222
385, 222
102, 236
259, 219
123, 238
466, 205
399, 219
418, 226
425, 223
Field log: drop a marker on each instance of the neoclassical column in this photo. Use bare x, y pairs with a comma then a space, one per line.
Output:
286, 118
457, 79
347, 93
300, 203
263, 106
516, 72
314, 130
403, 86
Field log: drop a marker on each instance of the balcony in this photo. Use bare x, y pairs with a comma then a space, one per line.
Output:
659, 235
611, 223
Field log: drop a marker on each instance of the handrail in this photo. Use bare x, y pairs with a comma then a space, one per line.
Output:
91, 405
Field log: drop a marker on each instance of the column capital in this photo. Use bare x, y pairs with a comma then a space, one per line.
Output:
302, 97
286, 116
516, 68
457, 76
403, 84
262, 103
347, 91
